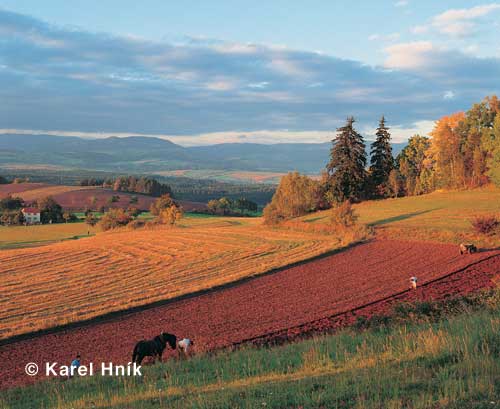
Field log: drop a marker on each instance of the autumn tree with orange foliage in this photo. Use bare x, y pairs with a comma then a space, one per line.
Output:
463, 145
445, 152
296, 195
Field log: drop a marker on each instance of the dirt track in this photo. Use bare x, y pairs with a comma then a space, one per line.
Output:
316, 296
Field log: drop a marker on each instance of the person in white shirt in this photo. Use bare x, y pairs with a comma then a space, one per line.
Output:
185, 346
413, 282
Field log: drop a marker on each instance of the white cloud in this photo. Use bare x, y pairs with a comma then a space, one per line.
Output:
222, 84
384, 37
412, 55
419, 29
449, 95
461, 22
259, 85
401, 133
234, 48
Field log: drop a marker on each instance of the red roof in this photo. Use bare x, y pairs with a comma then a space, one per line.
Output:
30, 210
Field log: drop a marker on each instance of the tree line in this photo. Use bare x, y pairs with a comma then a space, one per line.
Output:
226, 206
131, 184
462, 151
165, 210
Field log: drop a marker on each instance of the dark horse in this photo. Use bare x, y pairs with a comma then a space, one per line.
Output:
153, 347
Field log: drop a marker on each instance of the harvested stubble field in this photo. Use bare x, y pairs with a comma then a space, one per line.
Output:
315, 296
76, 280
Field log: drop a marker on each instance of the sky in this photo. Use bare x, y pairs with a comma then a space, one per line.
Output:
199, 72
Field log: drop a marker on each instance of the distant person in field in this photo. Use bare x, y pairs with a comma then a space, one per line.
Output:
75, 364
413, 282
185, 346
467, 248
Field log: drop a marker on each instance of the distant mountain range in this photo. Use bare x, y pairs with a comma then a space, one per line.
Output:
147, 154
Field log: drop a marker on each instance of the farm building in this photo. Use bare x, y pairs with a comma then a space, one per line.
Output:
31, 215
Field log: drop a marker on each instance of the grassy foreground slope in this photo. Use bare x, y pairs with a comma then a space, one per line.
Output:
452, 363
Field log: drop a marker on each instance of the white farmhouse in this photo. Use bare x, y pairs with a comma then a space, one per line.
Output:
31, 215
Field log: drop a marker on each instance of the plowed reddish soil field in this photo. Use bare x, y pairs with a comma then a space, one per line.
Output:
317, 296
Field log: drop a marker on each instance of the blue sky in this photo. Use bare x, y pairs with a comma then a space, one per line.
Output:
203, 72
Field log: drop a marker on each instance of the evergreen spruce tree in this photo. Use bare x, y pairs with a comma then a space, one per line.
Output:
346, 169
381, 160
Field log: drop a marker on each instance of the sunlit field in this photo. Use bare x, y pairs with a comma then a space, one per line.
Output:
442, 216
42, 234
29, 236
79, 279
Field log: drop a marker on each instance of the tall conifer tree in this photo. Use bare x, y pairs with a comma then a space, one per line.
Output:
382, 161
346, 169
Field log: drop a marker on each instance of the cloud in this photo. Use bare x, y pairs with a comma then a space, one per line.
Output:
78, 81
458, 22
261, 85
401, 3
419, 29
446, 66
400, 133
414, 55
449, 95
386, 37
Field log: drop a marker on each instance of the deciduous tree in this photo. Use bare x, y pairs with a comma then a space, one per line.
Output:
50, 210
295, 196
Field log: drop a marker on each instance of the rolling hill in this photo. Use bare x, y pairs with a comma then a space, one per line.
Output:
148, 154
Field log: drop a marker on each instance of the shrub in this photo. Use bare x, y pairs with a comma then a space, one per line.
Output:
114, 199
91, 219
133, 211
136, 224
160, 204
10, 218
343, 215
69, 217
485, 224
114, 218
170, 215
